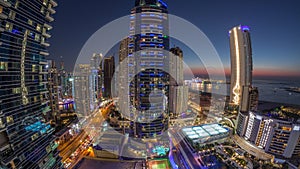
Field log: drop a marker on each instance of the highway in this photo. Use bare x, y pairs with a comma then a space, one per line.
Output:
77, 148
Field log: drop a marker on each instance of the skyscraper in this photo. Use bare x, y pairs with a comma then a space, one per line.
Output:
177, 65
241, 67
95, 81
178, 92
123, 66
26, 137
254, 96
82, 90
109, 70
53, 88
148, 62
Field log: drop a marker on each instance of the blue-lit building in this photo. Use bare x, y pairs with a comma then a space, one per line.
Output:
148, 64
26, 137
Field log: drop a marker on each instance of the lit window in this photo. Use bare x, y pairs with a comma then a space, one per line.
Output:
42, 10
36, 135
9, 119
33, 68
3, 66
42, 39
1, 9
35, 99
38, 27
1, 123
16, 90
30, 22
37, 37
9, 26
17, 4
12, 15
45, 2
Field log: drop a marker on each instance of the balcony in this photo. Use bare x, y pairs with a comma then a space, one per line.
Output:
46, 35
45, 44
46, 110
5, 3
53, 3
44, 53
3, 16
49, 18
45, 102
51, 10
48, 26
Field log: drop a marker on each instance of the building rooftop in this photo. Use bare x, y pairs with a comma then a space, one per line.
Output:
204, 132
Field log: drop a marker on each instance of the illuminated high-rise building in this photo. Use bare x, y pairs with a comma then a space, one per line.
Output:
254, 96
82, 90
241, 67
178, 91
26, 137
270, 132
53, 88
146, 103
123, 66
95, 80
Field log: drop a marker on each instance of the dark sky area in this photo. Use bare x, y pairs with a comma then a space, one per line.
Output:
275, 28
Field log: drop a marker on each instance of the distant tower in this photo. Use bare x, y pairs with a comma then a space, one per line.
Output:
178, 92
241, 67
123, 67
109, 70
254, 96
177, 63
95, 80
82, 89
53, 88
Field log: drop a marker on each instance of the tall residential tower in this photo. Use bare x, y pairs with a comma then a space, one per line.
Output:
241, 67
26, 137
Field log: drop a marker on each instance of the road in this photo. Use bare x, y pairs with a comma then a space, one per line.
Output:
77, 148
186, 152
251, 149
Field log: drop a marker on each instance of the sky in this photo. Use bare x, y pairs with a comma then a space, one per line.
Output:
274, 29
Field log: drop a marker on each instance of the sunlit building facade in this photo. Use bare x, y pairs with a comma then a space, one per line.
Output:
26, 137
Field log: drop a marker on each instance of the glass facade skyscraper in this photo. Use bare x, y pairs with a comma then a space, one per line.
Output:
26, 137
148, 64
